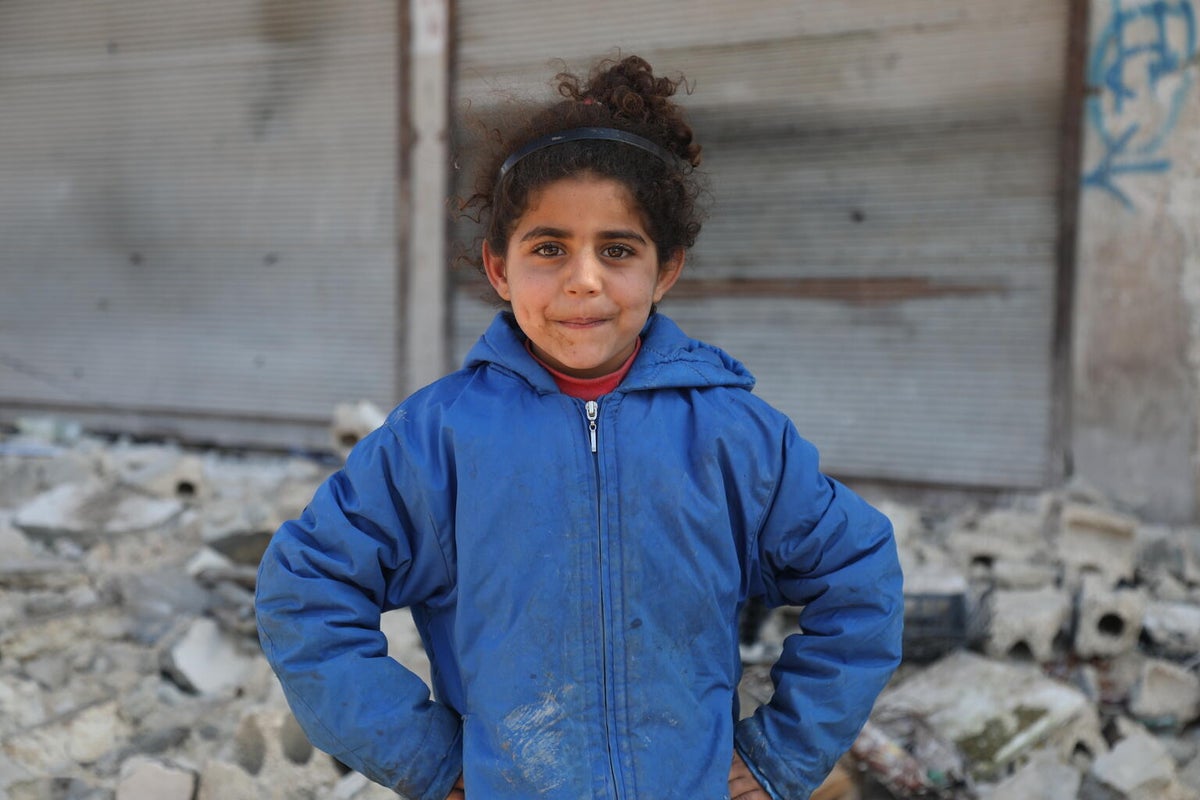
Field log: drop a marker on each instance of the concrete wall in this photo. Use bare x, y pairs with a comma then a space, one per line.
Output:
1136, 406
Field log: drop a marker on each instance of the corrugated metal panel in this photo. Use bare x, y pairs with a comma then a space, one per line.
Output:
197, 209
882, 248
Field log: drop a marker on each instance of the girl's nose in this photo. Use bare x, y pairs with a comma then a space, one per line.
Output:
584, 275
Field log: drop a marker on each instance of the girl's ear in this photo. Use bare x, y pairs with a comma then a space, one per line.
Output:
668, 273
497, 276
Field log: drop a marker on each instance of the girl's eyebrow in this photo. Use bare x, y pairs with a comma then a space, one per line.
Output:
545, 231
623, 234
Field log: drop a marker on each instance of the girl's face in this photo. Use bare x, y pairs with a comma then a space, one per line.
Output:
581, 273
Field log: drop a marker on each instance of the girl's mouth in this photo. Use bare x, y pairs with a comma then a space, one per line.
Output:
582, 322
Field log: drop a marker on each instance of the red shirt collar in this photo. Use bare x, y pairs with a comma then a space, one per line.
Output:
588, 388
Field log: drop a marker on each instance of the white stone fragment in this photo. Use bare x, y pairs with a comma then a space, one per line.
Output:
1002, 535
351, 422
78, 738
145, 778
1173, 627
165, 472
204, 660
1137, 768
1097, 540
239, 528
1043, 777
1026, 621
1109, 620
85, 513
996, 712
1166, 694
269, 758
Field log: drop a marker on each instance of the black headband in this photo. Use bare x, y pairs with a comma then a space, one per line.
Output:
577, 134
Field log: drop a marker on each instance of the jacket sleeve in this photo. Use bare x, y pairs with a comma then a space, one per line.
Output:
822, 547
368, 542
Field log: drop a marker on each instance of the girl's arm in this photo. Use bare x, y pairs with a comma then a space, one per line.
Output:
364, 545
822, 547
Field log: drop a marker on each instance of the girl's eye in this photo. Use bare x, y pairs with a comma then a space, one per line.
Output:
548, 249
617, 251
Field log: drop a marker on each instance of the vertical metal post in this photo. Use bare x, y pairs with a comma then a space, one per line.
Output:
425, 121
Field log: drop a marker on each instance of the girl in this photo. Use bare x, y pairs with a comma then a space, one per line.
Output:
576, 517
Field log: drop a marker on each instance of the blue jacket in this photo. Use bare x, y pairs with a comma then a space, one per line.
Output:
577, 584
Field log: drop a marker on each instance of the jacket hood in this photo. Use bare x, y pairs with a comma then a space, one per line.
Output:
669, 359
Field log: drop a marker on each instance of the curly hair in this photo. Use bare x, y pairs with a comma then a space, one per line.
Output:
623, 94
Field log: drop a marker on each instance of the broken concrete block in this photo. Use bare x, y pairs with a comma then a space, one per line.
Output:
155, 600
80, 737
1003, 535
269, 758
149, 779
40, 574
1109, 621
239, 529
1097, 540
1009, 574
1137, 768
351, 422
1043, 777
205, 660
36, 637
935, 613
292, 497
25, 476
1166, 695
85, 513
905, 519
1189, 776
165, 472
13, 543
1173, 628
21, 704
56, 789
1025, 624
996, 712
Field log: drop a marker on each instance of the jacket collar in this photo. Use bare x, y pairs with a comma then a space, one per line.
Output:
669, 359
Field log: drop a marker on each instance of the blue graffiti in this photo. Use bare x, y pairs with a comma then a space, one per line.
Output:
1160, 35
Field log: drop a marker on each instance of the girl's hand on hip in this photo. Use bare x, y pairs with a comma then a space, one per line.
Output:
742, 783
459, 792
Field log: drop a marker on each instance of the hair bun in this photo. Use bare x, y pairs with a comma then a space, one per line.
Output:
632, 93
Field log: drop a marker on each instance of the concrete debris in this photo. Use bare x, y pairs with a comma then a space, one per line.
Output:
1109, 621
85, 513
240, 529
1043, 777
150, 779
1027, 623
164, 472
1137, 768
130, 669
995, 712
1095, 539
1173, 628
998, 537
267, 742
351, 422
204, 660
1166, 695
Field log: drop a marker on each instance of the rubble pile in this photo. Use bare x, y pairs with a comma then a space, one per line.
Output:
1052, 643
1061, 660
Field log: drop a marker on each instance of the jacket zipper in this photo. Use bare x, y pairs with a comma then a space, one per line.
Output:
592, 409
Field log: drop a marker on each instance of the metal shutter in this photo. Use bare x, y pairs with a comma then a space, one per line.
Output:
882, 251
197, 213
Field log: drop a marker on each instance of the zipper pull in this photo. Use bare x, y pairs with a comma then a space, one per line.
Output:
593, 411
